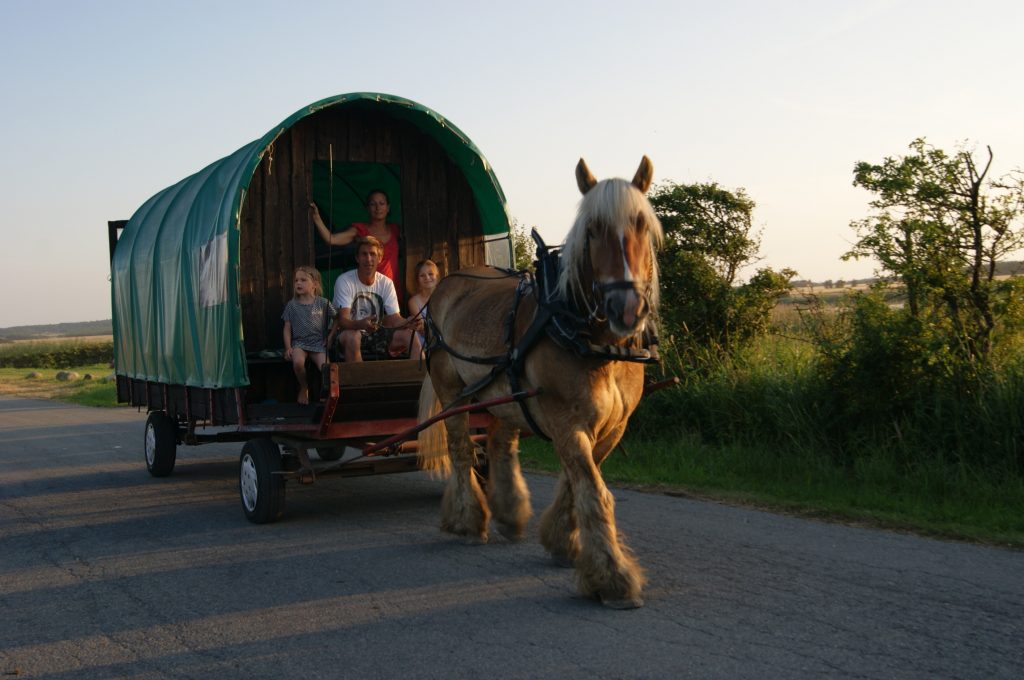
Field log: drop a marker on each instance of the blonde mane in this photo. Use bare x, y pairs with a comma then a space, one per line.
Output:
610, 204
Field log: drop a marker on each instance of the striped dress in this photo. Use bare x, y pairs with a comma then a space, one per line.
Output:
310, 323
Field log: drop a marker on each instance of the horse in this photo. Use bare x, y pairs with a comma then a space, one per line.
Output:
584, 398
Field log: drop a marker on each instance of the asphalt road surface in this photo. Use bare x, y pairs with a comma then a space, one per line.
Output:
106, 572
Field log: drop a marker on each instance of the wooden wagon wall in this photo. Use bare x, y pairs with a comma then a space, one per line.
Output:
439, 214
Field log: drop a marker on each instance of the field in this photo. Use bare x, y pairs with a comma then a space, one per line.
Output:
29, 368
43, 384
61, 341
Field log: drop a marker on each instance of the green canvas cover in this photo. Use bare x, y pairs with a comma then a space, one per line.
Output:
174, 274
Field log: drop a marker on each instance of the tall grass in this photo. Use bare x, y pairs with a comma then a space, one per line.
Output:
764, 425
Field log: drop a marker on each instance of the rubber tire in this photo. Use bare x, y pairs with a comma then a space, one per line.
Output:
160, 444
261, 491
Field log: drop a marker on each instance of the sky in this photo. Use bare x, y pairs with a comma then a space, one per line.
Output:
105, 103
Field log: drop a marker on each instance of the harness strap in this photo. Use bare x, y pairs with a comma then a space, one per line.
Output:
517, 355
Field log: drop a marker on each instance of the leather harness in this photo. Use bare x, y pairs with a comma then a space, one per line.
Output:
555, 316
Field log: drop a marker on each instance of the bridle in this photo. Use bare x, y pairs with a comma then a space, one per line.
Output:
595, 305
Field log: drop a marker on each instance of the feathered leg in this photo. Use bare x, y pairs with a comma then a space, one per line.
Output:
464, 510
507, 493
605, 568
558, 531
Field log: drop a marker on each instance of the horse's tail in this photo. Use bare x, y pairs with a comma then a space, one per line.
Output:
432, 442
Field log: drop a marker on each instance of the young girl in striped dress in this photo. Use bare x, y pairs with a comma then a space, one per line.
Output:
306, 320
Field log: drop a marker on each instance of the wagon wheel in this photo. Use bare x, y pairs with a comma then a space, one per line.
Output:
161, 444
262, 491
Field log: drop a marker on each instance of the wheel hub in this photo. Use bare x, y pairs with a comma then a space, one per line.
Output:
247, 483
150, 444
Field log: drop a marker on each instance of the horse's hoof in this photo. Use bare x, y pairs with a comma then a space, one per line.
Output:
511, 533
624, 603
470, 534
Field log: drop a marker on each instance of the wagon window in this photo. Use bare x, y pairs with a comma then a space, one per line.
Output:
341, 197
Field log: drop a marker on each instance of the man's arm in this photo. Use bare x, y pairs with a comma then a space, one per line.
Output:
394, 321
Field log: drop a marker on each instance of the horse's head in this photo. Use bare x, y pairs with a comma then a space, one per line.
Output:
609, 254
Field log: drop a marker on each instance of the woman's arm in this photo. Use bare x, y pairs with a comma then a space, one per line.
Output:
416, 303
342, 238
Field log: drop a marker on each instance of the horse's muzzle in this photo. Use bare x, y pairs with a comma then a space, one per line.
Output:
625, 307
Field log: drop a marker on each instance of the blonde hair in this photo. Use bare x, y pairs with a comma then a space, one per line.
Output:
424, 263
314, 274
373, 241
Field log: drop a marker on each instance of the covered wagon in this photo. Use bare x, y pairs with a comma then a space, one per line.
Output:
202, 271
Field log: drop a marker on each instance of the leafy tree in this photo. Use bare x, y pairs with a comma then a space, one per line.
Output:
940, 225
524, 250
709, 238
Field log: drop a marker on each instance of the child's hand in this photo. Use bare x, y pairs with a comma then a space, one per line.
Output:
288, 354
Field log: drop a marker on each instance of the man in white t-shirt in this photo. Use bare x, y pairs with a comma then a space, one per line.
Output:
366, 301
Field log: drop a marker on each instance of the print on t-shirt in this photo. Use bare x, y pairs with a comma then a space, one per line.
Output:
366, 304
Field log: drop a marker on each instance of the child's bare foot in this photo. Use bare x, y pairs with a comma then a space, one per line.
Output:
303, 397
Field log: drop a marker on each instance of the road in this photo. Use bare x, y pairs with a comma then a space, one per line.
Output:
106, 572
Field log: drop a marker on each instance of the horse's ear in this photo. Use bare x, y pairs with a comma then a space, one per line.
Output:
644, 175
584, 178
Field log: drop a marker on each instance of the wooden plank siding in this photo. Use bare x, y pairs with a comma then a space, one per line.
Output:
440, 218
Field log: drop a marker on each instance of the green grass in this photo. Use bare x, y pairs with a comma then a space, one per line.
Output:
16, 382
763, 429
937, 500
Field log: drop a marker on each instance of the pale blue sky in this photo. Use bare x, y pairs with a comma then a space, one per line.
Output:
105, 103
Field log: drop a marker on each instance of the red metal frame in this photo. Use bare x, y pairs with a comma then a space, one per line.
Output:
455, 410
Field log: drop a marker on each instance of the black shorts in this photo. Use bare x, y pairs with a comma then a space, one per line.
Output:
375, 344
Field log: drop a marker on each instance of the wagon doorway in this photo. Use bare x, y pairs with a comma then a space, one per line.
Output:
341, 190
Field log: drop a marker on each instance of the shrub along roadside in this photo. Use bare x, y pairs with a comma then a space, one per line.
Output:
764, 426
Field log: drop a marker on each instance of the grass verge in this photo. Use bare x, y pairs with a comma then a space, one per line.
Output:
945, 502
42, 383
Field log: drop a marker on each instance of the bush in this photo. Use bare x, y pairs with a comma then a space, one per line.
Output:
67, 354
709, 238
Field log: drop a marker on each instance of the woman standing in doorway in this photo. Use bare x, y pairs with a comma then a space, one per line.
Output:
377, 207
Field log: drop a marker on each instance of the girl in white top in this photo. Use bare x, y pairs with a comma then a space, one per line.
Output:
427, 276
